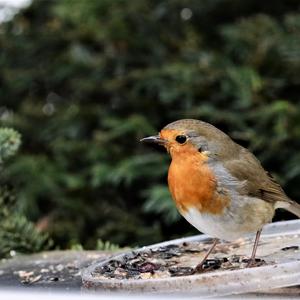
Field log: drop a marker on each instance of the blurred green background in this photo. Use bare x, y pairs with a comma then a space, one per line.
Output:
83, 81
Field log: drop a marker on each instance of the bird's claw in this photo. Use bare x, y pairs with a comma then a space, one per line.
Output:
254, 262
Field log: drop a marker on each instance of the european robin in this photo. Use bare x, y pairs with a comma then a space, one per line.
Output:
217, 185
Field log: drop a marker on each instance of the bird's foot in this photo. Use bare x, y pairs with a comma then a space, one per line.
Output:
209, 265
253, 262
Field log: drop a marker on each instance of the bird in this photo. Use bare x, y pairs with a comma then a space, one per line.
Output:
217, 185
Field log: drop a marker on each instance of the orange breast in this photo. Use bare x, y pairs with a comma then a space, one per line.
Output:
192, 183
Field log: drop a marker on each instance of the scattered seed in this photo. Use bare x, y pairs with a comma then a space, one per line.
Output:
148, 267
35, 279
54, 279
181, 271
290, 248
44, 270
212, 264
169, 261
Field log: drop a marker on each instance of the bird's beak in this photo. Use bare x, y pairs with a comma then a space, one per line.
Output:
156, 139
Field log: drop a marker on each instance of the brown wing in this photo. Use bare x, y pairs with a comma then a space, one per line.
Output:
258, 182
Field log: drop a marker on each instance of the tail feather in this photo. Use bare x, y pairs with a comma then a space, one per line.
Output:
291, 206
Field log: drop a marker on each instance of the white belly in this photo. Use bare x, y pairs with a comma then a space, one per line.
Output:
227, 226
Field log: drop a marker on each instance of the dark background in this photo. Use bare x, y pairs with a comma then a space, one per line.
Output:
83, 81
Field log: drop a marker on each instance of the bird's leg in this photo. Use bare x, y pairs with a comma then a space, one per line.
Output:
252, 258
198, 268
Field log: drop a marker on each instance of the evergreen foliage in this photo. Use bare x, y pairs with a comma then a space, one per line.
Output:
106, 246
17, 234
83, 81
9, 143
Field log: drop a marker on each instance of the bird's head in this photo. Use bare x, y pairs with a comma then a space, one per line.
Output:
191, 136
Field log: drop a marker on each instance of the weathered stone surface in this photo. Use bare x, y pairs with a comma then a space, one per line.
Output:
60, 270
48, 270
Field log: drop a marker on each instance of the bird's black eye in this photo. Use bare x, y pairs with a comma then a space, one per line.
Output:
181, 139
